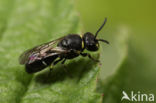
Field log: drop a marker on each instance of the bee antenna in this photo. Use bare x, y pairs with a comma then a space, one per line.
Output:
100, 27
105, 41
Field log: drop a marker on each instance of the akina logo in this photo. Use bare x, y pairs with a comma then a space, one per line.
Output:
138, 96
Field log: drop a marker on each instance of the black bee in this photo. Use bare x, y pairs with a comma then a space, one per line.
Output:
67, 47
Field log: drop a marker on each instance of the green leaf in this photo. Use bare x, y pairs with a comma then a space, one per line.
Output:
135, 68
134, 73
113, 57
114, 54
33, 22
5, 9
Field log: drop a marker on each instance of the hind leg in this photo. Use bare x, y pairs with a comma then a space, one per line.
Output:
52, 65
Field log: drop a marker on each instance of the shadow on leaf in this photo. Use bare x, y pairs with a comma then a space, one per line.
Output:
75, 70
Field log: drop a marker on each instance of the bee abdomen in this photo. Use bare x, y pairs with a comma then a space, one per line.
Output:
40, 64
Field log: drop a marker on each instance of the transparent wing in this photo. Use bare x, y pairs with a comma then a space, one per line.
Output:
39, 52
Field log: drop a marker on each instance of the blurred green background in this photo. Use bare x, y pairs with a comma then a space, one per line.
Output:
128, 63
135, 19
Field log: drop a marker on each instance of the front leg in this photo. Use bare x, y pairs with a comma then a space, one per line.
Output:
89, 56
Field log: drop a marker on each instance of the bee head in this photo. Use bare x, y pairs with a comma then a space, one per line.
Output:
90, 40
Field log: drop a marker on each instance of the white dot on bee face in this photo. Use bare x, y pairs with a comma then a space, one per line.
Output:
97, 44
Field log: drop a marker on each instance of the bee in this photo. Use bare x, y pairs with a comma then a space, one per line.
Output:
59, 50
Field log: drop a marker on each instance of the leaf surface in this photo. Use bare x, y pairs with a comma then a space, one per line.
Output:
34, 22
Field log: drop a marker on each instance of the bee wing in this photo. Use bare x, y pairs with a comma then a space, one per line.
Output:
56, 51
38, 52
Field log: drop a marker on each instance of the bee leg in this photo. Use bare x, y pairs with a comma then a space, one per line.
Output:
55, 62
63, 61
45, 64
89, 56
50, 69
65, 68
64, 65
52, 65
